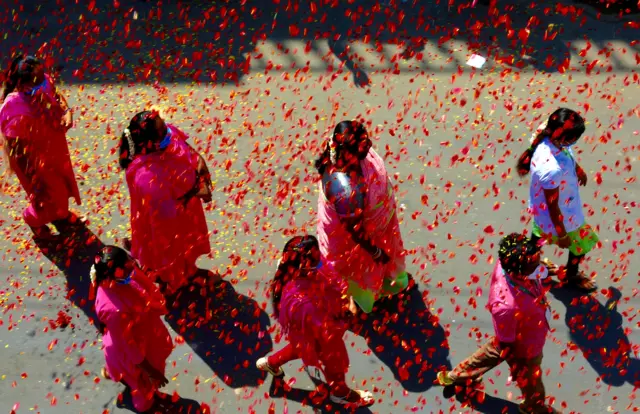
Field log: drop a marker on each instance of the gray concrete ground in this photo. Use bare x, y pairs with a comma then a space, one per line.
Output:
450, 138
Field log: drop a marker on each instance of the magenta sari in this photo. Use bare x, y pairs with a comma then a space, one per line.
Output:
339, 250
38, 124
167, 237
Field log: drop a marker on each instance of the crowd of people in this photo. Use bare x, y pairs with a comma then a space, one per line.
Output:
322, 282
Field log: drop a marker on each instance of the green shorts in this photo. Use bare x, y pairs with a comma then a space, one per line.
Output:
583, 240
367, 298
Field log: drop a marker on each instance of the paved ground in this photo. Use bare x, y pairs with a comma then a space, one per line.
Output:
450, 137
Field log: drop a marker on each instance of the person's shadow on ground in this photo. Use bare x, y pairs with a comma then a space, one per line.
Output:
408, 339
73, 253
228, 330
597, 330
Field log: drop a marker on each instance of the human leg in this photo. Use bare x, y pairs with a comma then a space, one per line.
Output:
528, 375
274, 362
335, 364
471, 369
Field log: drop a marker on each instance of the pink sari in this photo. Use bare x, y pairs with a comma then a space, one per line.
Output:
380, 222
134, 332
52, 181
166, 236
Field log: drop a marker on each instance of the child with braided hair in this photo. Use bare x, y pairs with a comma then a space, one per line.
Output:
520, 313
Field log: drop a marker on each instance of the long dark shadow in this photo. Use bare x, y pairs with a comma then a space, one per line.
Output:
408, 339
228, 330
597, 329
73, 254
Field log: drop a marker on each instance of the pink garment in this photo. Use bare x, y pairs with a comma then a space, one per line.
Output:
311, 314
167, 236
134, 332
518, 317
36, 120
380, 222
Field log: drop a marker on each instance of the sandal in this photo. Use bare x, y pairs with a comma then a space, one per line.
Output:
445, 380
105, 373
263, 365
355, 399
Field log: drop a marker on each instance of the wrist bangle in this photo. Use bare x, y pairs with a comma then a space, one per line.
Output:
378, 253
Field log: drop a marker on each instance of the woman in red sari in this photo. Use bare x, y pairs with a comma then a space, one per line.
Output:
168, 182
34, 119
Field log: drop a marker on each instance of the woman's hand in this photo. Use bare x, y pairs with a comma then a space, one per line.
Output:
380, 256
582, 176
352, 306
67, 120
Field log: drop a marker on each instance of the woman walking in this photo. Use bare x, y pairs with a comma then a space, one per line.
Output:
136, 341
168, 182
34, 119
310, 305
554, 193
358, 227
520, 313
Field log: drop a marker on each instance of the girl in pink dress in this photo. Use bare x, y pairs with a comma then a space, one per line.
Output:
168, 181
310, 305
136, 341
34, 119
358, 227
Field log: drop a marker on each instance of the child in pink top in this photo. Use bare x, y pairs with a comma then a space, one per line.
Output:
520, 314
168, 182
34, 119
310, 304
136, 341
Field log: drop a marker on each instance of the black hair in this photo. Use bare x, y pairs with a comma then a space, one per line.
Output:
108, 261
516, 253
21, 70
295, 252
143, 134
563, 123
342, 130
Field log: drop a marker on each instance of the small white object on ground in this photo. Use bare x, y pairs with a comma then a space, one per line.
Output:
476, 61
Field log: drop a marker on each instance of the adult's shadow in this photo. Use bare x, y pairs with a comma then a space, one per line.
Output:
73, 253
408, 339
597, 330
228, 330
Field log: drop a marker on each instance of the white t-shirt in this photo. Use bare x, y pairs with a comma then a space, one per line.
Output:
552, 167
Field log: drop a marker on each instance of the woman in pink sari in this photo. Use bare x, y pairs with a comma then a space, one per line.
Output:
136, 341
168, 181
358, 228
34, 119
311, 305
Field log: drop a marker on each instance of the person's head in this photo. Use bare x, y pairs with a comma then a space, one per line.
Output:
147, 132
563, 128
112, 264
519, 256
350, 144
25, 74
300, 255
